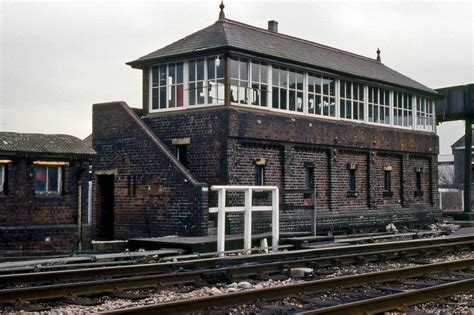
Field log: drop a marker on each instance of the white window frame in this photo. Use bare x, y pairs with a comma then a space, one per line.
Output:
259, 83
354, 101
378, 104
404, 111
47, 188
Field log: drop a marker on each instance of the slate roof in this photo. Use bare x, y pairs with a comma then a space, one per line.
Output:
43, 144
235, 35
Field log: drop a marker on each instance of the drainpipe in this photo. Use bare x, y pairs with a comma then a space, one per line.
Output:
89, 197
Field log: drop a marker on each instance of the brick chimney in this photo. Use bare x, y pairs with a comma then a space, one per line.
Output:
273, 26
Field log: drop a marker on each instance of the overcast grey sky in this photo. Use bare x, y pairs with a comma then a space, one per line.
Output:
58, 58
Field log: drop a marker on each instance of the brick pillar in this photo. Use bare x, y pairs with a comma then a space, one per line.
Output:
404, 178
371, 193
434, 194
332, 156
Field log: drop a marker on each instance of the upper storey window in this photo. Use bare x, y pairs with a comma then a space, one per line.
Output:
215, 79
196, 82
424, 113
295, 91
402, 109
259, 93
351, 100
321, 95
239, 75
167, 86
379, 105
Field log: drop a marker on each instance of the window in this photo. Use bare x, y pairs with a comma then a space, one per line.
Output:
2, 179
215, 79
279, 87
167, 86
321, 95
351, 100
295, 91
182, 154
402, 109
387, 181
418, 180
48, 179
351, 180
196, 82
259, 92
259, 175
309, 178
379, 105
239, 80
424, 113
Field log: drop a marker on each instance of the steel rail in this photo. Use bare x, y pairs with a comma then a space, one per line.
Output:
157, 280
397, 301
156, 268
315, 286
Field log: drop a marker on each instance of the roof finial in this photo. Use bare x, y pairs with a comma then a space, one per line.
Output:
222, 14
378, 55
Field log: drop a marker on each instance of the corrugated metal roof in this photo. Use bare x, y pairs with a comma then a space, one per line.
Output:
13, 142
235, 35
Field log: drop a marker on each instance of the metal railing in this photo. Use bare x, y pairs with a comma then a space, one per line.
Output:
248, 208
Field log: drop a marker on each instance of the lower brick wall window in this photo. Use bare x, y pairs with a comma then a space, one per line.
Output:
418, 188
387, 183
182, 154
48, 179
351, 182
259, 175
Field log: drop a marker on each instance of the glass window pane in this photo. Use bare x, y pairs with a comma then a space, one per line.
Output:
255, 72
154, 98
192, 70
163, 75
263, 95
275, 95
299, 101
234, 68
283, 77
53, 179
200, 69
220, 69
171, 74
264, 73
310, 83
332, 87
275, 76
179, 72
40, 178
311, 103
283, 99
317, 85
154, 75
192, 93
243, 69
163, 97
211, 72
179, 95
200, 93
292, 100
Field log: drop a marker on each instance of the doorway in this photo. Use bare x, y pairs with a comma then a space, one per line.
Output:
106, 207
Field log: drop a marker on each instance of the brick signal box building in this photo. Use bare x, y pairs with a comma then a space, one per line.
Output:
350, 142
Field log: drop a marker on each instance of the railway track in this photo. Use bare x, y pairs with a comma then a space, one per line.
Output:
19, 288
304, 292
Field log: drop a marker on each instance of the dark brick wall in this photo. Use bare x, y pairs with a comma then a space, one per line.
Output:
225, 143
206, 130
26, 219
165, 200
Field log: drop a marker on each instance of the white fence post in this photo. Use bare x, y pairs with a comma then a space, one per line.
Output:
275, 219
248, 221
221, 223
